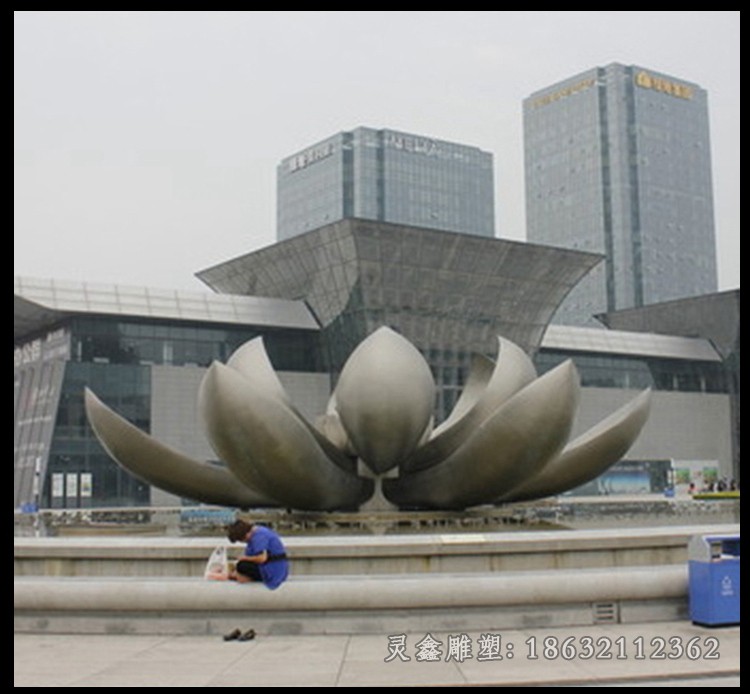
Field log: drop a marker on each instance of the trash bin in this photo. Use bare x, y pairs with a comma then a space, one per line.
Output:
714, 579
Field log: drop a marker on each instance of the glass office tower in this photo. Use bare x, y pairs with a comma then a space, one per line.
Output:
618, 162
384, 175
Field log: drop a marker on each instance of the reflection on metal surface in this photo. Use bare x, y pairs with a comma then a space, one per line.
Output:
505, 441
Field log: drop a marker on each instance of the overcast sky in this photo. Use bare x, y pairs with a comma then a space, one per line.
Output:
146, 143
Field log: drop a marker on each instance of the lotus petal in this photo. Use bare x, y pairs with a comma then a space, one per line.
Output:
589, 455
385, 396
251, 360
270, 448
164, 467
490, 385
480, 374
512, 444
329, 425
504, 440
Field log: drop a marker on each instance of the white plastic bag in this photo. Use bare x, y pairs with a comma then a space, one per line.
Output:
217, 567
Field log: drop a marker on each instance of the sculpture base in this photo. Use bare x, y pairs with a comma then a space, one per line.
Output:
377, 502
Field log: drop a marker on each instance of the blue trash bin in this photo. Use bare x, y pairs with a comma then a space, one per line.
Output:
714, 579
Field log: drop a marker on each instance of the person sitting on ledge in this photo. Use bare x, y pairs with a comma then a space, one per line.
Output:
264, 559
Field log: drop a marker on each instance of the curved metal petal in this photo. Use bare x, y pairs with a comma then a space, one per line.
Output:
385, 397
487, 392
270, 448
251, 360
480, 373
514, 443
329, 425
492, 383
589, 455
162, 466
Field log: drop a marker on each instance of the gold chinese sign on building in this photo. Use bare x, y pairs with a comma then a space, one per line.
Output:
563, 93
661, 84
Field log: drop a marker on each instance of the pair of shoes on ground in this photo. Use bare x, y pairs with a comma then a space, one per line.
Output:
239, 635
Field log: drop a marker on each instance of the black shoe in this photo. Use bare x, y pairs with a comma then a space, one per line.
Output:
247, 636
233, 635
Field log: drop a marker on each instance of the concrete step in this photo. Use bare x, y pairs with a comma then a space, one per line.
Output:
386, 603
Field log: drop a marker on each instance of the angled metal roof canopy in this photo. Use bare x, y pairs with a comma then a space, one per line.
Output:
441, 290
601, 341
39, 303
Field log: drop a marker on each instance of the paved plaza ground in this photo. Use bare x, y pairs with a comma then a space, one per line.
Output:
655, 654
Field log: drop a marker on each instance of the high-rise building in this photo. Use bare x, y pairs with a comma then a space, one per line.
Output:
387, 176
618, 162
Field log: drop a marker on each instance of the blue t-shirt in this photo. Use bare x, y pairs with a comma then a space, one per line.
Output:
273, 572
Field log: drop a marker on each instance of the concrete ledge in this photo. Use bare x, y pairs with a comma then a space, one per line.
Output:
354, 592
366, 555
353, 604
359, 584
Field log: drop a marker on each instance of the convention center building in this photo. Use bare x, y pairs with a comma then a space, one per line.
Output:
313, 298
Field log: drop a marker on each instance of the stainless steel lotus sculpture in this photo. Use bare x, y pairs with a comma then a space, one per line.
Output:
506, 439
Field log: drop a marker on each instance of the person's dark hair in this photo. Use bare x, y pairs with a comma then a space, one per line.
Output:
237, 531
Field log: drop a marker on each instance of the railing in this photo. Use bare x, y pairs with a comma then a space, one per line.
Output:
561, 512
